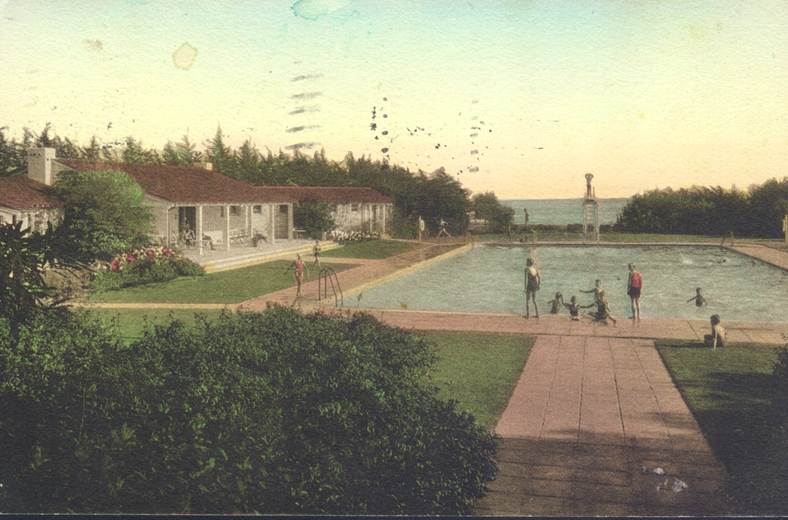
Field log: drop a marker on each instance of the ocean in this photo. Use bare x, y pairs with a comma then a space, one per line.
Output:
562, 211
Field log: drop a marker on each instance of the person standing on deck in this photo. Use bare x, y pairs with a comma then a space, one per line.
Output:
634, 286
532, 283
298, 264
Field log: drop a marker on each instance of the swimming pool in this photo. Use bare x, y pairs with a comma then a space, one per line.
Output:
489, 279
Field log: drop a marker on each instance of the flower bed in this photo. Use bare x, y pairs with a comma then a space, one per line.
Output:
144, 266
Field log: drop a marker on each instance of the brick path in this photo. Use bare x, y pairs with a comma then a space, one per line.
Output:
590, 420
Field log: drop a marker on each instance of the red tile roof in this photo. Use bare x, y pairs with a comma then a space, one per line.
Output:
185, 185
21, 193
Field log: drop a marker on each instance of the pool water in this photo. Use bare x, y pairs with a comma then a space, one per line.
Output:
489, 279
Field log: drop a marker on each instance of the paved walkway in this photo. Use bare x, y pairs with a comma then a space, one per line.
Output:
596, 427
771, 256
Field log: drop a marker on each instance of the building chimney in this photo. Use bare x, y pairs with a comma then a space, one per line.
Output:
39, 165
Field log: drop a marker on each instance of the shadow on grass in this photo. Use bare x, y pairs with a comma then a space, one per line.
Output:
731, 395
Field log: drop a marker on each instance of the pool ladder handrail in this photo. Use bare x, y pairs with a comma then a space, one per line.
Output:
328, 274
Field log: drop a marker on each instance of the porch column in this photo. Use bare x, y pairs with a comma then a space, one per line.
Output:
198, 235
227, 227
383, 209
290, 222
248, 221
272, 229
167, 236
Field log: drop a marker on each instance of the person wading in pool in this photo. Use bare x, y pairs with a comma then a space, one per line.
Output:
299, 266
596, 290
700, 301
634, 286
532, 283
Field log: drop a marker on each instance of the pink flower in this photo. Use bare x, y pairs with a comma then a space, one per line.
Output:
130, 258
166, 252
151, 253
114, 265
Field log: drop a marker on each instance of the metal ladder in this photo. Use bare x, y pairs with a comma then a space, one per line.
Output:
327, 274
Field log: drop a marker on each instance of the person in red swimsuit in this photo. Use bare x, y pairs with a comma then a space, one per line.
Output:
299, 266
634, 286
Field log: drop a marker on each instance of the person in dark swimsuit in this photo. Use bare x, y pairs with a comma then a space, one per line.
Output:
574, 308
700, 301
532, 283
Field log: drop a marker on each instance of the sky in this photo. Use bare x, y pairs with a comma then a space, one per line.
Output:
522, 98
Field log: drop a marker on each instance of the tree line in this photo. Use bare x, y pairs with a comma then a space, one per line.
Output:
757, 212
434, 196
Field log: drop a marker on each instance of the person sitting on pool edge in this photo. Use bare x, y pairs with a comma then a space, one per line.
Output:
700, 301
574, 308
532, 283
556, 303
717, 336
603, 309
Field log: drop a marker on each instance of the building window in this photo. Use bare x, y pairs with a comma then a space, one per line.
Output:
235, 211
354, 207
2, 219
14, 219
283, 208
221, 211
257, 209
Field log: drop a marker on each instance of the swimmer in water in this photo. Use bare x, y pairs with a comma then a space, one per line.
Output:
700, 301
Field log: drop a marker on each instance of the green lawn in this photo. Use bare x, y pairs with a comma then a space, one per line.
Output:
730, 391
374, 249
130, 322
479, 370
231, 286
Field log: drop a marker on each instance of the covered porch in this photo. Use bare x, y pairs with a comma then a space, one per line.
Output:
205, 228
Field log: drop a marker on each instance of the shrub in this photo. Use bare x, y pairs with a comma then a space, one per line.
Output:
186, 267
273, 413
144, 266
104, 215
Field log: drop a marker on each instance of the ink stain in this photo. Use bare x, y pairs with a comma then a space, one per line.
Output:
306, 76
301, 128
301, 110
93, 45
385, 132
184, 56
473, 169
307, 95
384, 150
373, 126
299, 146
